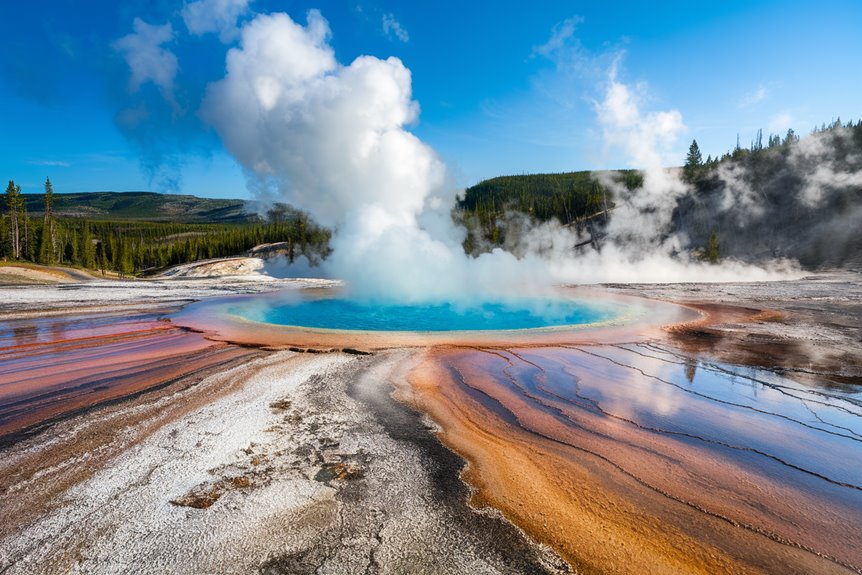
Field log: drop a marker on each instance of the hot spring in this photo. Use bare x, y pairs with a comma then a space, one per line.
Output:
328, 318
335, 313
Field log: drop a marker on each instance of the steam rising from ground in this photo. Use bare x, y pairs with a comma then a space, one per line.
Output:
800, 199
822, 169
333, 139
644, 214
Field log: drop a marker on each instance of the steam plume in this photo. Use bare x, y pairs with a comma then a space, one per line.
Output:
798, 199
333, 140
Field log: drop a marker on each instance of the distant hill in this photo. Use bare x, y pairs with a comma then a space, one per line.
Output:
794, 198
574, 198
139, 233
146, 206
800, 199
567, 196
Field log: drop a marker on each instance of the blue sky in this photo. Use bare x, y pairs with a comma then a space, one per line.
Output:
504, 87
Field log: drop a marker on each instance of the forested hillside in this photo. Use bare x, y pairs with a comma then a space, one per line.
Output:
792, 197
148, 206
573, 198
786, 196
138, 233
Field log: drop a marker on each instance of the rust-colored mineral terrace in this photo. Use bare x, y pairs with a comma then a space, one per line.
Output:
625, 453
625, 447
55, 366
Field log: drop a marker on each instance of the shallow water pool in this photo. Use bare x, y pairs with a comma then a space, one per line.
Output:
345, 314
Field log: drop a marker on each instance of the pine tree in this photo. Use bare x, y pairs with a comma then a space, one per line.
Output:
757, 144
125, 264
27, 251
70, 251
48, 244
103, 257
4, 237
713, 252
13, 195
693, 168
87, 251
138, 260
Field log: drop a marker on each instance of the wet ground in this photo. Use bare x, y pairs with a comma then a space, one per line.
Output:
56, 366
728, 443
680, 464
259, 461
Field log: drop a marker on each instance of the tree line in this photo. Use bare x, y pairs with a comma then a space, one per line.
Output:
573, 198
580, 199
696, 170
762, 209
139, 247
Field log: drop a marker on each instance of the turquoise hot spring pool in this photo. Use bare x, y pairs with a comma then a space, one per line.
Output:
350, 315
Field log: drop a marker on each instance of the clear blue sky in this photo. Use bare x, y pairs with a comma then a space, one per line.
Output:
491, 102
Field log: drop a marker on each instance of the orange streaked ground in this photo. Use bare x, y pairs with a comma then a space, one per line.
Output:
590, 440
623, 447
616, 495
55, 366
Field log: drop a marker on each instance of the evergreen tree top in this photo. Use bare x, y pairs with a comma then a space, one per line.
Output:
694, 157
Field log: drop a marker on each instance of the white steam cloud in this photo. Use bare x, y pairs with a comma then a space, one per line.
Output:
815, 165
640, 246
798, 199
647, 140
393, 28
738, 194
147, 59
815, 156
333, 140
204, 16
